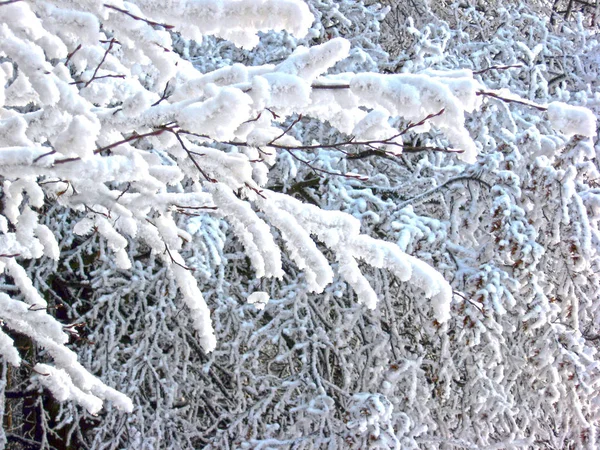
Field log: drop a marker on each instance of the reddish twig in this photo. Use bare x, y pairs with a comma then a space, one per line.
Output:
164, 95
87, 83
512, 100
110, 45
189, 153
287, 129
133, 137
191, 269
133, 16
70, 55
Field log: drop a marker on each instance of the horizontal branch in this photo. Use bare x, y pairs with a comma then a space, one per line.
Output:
512, 100
133, 16
433, 190
514, 66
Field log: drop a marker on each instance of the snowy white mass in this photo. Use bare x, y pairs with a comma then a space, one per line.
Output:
299, 224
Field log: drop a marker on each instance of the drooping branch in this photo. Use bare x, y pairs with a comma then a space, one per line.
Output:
95, 76
512, 100
513, 66
133, 16
318, 170
191, 156
433, 190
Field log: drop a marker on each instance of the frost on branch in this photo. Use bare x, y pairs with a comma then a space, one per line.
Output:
102, 122
572, 120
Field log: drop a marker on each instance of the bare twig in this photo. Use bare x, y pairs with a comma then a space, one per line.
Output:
70, 55
131, 138
512, 100
320, 170
133, 16
191, 269
110, 46
43, 155
330, 86
164, 95
191, 156
286, 130
258, 191
418, 124
87, 83
514, 66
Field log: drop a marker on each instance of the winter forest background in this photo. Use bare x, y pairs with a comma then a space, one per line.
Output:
286, 224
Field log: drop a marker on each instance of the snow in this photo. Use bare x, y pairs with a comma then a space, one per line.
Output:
259, 299
186, 183
217, 117
415, 97
572, 120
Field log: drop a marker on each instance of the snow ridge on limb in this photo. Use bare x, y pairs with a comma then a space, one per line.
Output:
340, 232
46, 331
237, 21
69, 63
102, 117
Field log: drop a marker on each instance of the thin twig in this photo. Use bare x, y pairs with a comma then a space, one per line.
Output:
189, 153
87, 83
433, 190
133, 16
514, 66
286, 130
164, 95
191, 269
325, 171
512, 100
70, 55
110, 45
133, 137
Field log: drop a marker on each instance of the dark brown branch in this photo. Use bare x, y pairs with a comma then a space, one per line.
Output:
191, 269
190, 155
70, 55
164, 95
43, 155
133, 137
405, 148
330, 86
87, 83
320, 170
133, 16
418, 124
258, 191
512, 100
287, 130
514, 66
110, 46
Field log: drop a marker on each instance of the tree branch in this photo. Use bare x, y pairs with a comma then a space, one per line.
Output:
512, 100
133, 16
